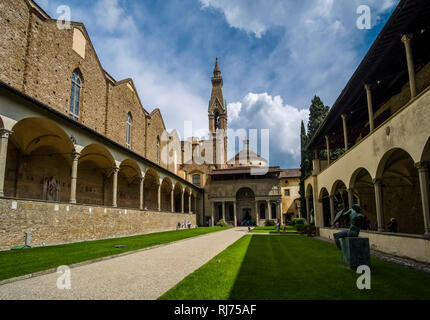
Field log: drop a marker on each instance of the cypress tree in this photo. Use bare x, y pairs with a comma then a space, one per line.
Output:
317, 113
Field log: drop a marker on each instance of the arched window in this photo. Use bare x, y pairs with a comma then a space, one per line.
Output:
75, 95
157, 150
128, 133
196, 180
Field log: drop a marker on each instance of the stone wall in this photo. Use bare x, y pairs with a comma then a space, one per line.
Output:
407, 246
14, 21
123, 100
156, 128
52, 223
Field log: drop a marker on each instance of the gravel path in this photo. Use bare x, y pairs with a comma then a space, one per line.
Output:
141, 276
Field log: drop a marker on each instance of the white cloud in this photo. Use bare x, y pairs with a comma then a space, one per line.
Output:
111, 17
262, 111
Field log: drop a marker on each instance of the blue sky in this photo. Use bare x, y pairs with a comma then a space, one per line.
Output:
275, 55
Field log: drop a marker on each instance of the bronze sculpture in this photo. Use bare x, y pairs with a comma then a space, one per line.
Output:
355, 224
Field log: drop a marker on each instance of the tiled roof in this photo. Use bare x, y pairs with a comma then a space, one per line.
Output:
290, 173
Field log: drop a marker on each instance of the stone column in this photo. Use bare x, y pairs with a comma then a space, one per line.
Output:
369, 106
189, 204
345, 131
141, 191
350, 197
213, 214
4, 139
332, 213
115, 187
74, 178
423, 173
159, 195
327, 142
279, 211
379, 204
269, 210
195, 204
406, 39
223, 210
183, 201
257, 217
308, 209
235, 213
172, 200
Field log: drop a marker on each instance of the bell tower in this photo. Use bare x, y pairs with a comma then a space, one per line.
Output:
218, 117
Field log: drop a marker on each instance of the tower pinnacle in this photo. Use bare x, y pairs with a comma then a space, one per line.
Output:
217, 70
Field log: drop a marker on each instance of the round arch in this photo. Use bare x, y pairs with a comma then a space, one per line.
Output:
129, 176
150, 186
39, 159
186, 200
362, 183
95, 176
340, 194
245, 202
401, 192
324, 198
178, 197
166, 192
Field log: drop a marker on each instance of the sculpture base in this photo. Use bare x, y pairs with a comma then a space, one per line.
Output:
355, 252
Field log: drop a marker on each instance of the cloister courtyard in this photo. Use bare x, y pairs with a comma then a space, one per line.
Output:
178, 265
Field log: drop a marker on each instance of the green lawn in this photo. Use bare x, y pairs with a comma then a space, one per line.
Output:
20, 262
297, 268
290, 229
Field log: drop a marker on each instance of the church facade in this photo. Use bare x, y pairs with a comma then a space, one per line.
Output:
81, 158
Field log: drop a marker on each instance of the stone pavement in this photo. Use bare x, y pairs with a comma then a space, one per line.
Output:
144, 275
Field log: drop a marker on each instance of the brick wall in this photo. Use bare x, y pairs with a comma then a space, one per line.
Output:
51, 226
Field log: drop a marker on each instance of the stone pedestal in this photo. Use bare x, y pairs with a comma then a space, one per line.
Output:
355, 252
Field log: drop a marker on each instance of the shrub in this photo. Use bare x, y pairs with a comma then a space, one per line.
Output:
300, 228
298, 221
269, 223
222, 223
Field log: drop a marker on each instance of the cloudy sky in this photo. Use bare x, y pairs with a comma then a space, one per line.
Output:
275, 55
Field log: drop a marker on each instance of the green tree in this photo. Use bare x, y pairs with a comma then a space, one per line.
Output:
317, 113
305, 168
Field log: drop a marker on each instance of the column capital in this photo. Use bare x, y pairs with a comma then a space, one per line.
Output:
115, 169
406, 38
343, 116
377, 181
4, 133
368, 87
332, 197
75, 155
422, 166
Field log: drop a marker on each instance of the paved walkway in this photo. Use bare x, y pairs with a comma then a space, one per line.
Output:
140, 276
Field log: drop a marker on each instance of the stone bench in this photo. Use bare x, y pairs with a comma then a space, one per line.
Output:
355, 252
